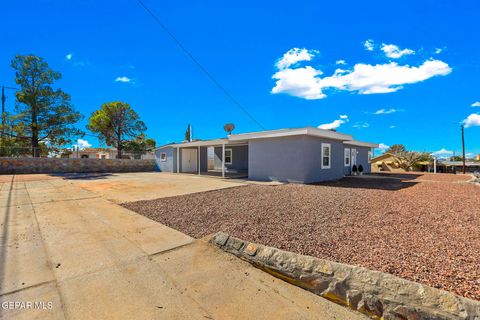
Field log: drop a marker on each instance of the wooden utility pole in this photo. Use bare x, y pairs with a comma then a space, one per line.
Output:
2, 134
4, 115
463, 150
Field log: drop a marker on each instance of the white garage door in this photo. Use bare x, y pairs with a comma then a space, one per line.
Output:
189, 160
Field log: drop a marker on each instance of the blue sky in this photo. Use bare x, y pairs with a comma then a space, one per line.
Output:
280, 59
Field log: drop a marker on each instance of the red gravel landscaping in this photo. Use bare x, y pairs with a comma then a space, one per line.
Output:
423, 228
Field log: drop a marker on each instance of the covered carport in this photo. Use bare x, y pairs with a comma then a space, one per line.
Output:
230, 158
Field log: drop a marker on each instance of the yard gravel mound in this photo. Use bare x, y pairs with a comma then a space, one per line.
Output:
421, 228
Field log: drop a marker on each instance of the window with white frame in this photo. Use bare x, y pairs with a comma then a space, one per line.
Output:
163, 157
326, 156
347, 157
228, 156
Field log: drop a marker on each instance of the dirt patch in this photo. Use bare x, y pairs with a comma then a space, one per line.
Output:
422, 231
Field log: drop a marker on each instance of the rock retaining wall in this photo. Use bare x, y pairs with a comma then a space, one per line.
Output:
65, 165
377, 294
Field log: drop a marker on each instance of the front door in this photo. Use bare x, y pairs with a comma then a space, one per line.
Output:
189, 160
354, 157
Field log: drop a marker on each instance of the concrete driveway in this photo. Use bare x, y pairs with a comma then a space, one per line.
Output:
67, 252
124, 187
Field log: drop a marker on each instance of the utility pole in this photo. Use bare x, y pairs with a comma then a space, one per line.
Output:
4, 98
463, 149
2, 134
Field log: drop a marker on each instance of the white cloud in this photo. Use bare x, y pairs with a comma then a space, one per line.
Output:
69, 56
387, 111
293, 56
361, 125
300, 82
341, 62
369, 45
383, 147
472, 120
392, 126
306, 82
123, 79
476, 104
335, 123
82, 144
438, 50
393, 51
442, 153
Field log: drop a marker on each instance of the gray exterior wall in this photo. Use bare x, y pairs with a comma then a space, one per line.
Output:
171, 164
239, 158
203, 159
362, 159
293, 159
166, 166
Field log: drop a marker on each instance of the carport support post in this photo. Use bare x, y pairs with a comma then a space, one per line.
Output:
178, 159
434, 164
198, 153
223, 160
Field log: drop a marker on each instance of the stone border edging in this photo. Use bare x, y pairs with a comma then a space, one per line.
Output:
376, 294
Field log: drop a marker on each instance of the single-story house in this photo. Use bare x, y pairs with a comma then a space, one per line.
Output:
389, 162
457, 166
106, 153
303, 155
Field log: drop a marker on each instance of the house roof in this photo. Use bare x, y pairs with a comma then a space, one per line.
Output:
310, 131
361, 144
233, 139
200, 143
384, 156
94, 150
459, 163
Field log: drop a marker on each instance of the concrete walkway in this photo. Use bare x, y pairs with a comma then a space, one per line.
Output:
68, 253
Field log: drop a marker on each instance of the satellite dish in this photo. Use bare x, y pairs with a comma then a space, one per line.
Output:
229, 127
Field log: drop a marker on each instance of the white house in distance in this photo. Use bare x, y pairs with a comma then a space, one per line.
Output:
106, 153
303, 155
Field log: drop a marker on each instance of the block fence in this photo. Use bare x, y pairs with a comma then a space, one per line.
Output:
66, 165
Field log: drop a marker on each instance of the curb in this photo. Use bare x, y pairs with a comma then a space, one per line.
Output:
376, 294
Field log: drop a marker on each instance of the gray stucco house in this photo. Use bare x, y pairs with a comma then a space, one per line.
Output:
303, 155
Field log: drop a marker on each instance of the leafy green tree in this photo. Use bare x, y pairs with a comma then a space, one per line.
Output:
140, 145
115, 123
43, 114
397, 149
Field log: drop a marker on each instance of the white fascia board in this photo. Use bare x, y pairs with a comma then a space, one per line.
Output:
361, 144
201, 143
165, 146
291, 132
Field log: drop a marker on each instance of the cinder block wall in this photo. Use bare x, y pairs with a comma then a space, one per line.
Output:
65, 165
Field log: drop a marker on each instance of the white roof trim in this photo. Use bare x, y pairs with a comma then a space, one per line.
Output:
200, 143
310, 131
361, 144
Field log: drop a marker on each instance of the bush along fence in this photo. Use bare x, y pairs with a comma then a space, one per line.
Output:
376, 294
66, 165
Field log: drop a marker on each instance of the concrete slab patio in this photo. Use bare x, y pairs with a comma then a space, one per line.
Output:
71, 251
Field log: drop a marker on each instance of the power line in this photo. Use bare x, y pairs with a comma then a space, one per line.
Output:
204, 70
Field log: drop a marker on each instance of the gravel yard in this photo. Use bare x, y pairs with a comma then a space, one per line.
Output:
424, 228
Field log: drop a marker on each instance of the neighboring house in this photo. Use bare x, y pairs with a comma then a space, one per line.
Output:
304, 155
107, 153
389, 162
457, 166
